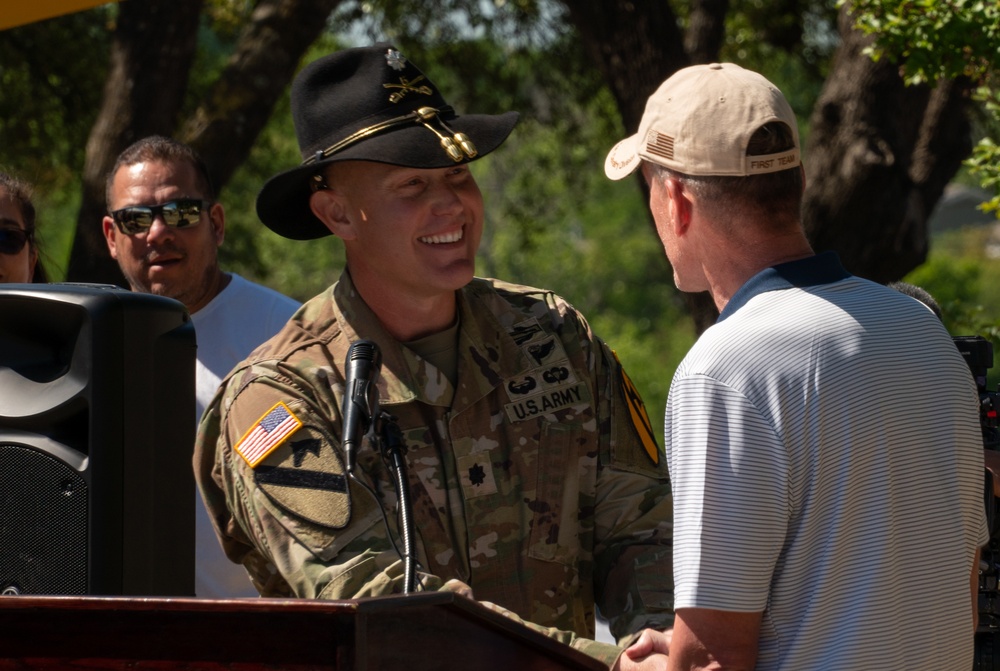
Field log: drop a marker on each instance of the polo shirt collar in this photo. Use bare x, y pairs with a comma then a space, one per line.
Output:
811, 271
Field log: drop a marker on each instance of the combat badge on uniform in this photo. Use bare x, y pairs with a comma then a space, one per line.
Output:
550, 385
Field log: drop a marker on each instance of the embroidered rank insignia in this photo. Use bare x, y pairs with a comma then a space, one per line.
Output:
640, 418
476, 472
267, 433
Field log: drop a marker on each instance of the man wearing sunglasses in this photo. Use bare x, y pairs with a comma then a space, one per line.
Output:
164, 229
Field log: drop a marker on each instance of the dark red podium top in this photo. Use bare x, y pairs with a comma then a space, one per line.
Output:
430, 630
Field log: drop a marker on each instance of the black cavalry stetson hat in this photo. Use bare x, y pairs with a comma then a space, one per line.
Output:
369, 104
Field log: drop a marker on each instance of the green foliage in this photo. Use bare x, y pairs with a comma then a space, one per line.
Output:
411, 23
56, 211
963, 276
51, 82
227, 17
296, 268
932, 39
985, 160
803, 32
954, 284
221, 23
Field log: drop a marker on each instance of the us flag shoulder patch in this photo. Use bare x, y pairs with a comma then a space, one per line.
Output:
267, 433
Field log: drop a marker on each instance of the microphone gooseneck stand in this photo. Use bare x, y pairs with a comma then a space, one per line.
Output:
362, 418
393, 450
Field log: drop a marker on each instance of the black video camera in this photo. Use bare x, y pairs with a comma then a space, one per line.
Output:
978, 354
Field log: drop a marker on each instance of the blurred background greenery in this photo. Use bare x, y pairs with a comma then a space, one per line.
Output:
552, 218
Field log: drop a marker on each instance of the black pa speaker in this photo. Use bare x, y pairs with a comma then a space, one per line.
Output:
96, 434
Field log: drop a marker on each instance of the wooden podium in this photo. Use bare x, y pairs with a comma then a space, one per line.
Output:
424, 631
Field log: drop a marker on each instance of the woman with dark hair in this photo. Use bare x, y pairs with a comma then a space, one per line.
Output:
18, 244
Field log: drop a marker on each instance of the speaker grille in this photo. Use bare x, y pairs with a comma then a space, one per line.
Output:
43, 524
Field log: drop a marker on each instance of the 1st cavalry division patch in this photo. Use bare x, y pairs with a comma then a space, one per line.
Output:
306, 476
640, 418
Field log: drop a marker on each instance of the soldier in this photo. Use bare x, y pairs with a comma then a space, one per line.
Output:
534, 477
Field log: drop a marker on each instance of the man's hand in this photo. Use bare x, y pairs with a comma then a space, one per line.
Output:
648, 652
458, 587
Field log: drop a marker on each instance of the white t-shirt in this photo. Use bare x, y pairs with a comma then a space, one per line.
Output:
826, 462
232, 325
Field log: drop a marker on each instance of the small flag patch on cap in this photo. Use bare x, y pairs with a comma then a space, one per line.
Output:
267, 433
660, 144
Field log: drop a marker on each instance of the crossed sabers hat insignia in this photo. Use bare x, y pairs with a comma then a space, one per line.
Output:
405, 87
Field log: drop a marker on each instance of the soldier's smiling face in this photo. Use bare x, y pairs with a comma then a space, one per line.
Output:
410, 230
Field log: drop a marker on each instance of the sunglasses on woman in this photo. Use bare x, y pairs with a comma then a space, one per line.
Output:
12, 240
180, 213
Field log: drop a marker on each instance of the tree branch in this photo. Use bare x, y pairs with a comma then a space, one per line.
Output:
238, 105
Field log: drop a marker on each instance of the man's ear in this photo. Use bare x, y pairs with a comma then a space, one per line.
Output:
110, 233
329, 208
680, 203
217, 217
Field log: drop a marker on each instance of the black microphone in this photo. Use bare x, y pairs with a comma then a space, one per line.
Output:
360, 404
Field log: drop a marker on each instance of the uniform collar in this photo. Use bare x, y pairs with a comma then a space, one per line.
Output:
487, 353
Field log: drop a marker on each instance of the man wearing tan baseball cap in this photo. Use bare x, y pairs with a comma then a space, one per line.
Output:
816, 508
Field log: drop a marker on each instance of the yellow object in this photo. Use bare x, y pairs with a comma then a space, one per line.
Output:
19, 12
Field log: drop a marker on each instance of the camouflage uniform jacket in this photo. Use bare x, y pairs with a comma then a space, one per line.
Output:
530, 480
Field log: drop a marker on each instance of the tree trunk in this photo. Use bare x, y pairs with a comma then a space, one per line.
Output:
635, 48
879, 157
706, 30
225, 126
152, 51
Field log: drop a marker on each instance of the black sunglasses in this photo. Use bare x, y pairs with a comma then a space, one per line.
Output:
180, 213
12, 240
